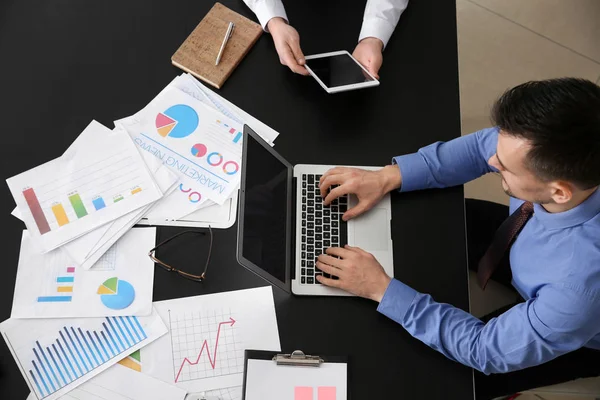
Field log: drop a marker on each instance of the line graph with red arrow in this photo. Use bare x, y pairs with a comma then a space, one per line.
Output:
212, 356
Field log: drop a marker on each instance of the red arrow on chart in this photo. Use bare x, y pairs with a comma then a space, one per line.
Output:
212, 360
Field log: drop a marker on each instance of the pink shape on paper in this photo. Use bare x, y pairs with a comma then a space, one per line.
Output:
71, 269
163, 120
303, 393
326, 393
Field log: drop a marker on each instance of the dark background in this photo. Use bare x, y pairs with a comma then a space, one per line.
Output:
66, 62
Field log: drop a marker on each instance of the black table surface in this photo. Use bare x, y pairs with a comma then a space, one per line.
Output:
66, 62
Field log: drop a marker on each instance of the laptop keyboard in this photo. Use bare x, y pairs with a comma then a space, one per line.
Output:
322, 227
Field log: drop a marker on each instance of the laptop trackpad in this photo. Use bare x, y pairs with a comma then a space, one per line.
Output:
371, 230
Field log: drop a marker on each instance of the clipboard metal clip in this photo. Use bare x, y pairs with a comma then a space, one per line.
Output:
298, 358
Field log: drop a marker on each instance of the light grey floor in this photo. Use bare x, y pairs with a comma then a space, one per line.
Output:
503, 43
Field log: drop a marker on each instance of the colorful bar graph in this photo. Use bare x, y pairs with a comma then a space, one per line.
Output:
77, 351
233, 131
136, 190
60, 214
36, 210
98, 203
117, 199
61, 288
78, 206
54, 299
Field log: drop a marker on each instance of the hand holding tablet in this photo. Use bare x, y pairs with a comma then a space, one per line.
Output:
338, 71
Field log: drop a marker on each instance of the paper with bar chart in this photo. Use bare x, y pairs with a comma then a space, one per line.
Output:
265, 380
207, 338
120, 383
50, 286
89, 248
57, 355
201, 145
103, 180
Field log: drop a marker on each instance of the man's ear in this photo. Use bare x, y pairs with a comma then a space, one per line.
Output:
561, 191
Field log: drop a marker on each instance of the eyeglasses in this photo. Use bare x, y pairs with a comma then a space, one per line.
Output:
196, 278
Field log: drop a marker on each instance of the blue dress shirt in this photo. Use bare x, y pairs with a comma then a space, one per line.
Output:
555, 263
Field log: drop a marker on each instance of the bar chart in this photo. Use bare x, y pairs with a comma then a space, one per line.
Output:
64, 287
59, 212
76, 352
237, 135
81, 193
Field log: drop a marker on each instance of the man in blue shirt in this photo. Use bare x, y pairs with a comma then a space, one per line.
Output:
546, 146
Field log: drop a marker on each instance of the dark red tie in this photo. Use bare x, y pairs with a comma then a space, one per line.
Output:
503, 239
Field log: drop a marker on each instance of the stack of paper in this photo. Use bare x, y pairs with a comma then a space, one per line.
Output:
83, 293
198, 134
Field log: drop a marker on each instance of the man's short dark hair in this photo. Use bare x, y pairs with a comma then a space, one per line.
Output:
561, 120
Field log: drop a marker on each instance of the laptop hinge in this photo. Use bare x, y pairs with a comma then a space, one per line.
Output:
293, 238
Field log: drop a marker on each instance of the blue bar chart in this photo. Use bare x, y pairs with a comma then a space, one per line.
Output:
76, 351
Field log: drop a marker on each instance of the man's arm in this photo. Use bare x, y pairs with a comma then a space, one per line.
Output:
379, 22
559, 320
273, 19
435, 166
381, 18
266, 10
445, 164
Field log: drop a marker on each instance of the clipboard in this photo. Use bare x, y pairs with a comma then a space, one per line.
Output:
294, 363
198, 53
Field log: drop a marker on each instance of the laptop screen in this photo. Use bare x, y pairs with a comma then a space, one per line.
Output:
265, 202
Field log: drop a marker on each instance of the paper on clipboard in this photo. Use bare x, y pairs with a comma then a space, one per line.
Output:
265, 380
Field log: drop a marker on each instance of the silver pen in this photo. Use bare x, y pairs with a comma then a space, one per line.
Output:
225, 40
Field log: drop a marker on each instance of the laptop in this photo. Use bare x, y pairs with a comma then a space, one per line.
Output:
284, 226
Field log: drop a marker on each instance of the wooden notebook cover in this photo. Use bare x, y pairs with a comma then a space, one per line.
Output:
197, 55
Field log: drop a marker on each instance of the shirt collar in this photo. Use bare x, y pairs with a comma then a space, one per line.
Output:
575, 216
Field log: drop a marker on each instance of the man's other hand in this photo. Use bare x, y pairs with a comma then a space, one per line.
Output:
287, 44
368, 52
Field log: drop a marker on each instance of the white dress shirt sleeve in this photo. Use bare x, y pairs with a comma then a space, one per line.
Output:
266, 10
381, 18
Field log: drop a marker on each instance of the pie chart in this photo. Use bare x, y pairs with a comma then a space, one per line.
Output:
116, 293
198, 150
177, 121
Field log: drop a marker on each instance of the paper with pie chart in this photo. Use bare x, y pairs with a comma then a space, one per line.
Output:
198, 143
50, 285
116, 294
208, 334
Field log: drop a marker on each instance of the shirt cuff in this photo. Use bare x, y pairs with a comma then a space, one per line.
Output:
396, 300
376, 27
413, 170
267, 10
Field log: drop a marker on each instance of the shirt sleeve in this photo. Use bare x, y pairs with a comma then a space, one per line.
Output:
381, 18
559, 320
266, 10
445, 164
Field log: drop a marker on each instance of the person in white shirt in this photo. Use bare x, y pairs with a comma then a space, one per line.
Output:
380, 20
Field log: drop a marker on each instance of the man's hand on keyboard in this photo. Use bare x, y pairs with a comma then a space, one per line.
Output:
358, 271
368, 186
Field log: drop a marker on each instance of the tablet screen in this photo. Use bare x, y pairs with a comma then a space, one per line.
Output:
338, 70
